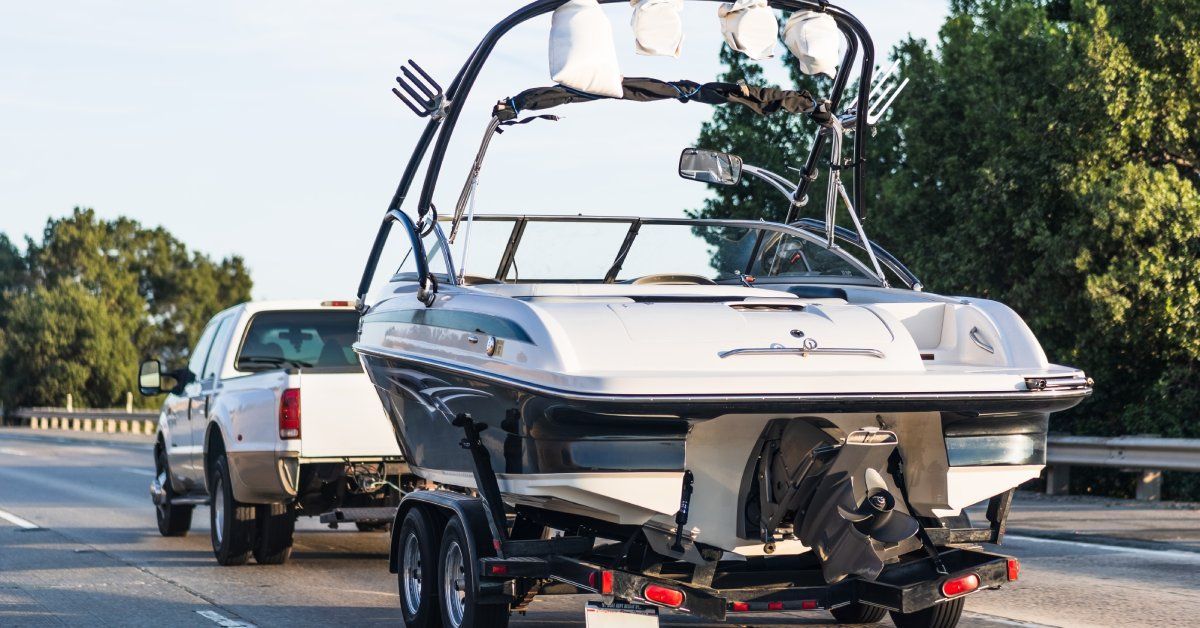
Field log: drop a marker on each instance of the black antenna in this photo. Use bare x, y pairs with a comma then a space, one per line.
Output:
430, 99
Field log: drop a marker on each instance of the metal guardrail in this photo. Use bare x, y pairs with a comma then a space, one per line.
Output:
88, 420
1146, 454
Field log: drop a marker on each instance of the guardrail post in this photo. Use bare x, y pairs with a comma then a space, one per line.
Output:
1149, 486
1058, 480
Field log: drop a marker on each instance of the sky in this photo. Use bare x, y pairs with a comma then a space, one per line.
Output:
267, 129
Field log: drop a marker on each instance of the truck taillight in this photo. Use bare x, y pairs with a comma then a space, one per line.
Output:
289, 414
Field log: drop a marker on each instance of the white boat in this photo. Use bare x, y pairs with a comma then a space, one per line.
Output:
747, 388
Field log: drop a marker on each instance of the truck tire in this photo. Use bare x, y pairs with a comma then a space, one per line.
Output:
173, 519
457, 581
276, 525
416, 569
944, 615
858, 613
231, 522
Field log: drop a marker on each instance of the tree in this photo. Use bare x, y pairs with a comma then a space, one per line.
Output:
62, 340
146, 274
82, 306
1047, 155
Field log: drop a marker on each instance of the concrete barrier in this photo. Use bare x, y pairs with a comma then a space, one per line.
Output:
89, 420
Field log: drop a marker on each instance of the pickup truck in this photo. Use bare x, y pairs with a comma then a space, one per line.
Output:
271, 419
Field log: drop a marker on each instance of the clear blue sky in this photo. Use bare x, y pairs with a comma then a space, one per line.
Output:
266, 128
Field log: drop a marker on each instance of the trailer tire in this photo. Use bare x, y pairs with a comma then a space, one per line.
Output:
231, 522
458, 580
276, 527
416, 570
858, 613
173, 519
944, 615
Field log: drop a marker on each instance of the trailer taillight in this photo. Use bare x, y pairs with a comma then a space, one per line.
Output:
960, 585
774, 606
335, 303
663, 595
498, 570
289, 414
601, 581
740, 607
1014, 569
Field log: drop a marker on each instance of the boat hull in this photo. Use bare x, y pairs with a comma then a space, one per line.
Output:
621, 459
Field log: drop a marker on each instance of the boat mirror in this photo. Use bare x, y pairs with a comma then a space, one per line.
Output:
710, 166
150, 379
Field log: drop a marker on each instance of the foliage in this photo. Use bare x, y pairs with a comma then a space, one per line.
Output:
93, 297
1047, 155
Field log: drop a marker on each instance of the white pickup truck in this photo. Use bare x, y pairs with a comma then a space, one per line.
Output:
271, 419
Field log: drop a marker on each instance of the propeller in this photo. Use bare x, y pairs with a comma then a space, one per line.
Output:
876, 517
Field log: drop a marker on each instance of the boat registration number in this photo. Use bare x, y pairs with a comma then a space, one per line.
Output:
601, 615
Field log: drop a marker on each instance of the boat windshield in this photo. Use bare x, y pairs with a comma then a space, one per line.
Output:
532, 249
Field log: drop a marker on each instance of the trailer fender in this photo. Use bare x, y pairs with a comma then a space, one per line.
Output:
443, 505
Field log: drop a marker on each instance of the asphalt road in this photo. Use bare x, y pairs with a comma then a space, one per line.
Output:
94, 558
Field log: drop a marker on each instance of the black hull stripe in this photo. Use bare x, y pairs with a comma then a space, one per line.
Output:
1046, 400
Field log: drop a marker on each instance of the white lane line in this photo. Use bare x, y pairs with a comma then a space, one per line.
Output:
12, 452
222, 620
1140, 551
1005, 621
17, 521
146, 472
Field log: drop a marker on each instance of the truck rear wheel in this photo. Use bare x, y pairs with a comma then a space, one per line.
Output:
944, 615
416, 569
858, 613
173, 519
276, 525
458, 580
231, 522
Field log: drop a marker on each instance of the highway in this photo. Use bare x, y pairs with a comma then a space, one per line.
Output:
79, 547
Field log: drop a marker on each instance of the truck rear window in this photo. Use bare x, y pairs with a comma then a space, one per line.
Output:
315, 340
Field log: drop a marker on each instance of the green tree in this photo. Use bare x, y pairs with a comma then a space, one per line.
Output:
81, 307
62, 340
146, 275
1047, 154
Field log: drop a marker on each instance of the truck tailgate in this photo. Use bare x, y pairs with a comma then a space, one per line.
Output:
341, 417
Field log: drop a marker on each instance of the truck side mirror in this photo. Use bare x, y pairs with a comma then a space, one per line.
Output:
150, 378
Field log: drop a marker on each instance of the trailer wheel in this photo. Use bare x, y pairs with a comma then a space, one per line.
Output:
417, 570
944, 615
231, 522
858, 613
276, 527
457, 582
173, 519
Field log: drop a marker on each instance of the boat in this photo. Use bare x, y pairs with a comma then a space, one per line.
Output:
744, 387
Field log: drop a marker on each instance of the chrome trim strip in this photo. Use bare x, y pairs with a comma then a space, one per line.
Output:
1015, 395
802, 352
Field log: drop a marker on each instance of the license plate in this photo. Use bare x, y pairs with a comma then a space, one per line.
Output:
601, 615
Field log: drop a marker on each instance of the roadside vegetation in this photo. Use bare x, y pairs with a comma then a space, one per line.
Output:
80, 308
1046, 155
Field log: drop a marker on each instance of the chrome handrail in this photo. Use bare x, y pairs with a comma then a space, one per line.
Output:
803, 352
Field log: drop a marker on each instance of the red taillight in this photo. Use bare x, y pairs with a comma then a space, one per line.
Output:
1014, 569
774, 606
601, 581
289, 414
960, 585
740, 607
663, 595
335, 303
498, 570
808, 605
